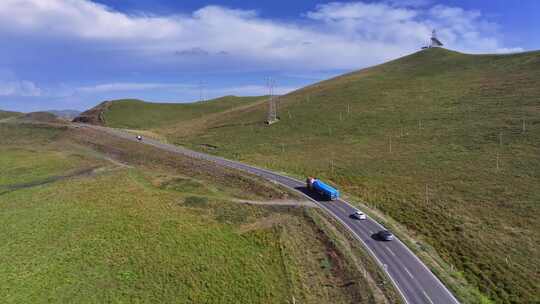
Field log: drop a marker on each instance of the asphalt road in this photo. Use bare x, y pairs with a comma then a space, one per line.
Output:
416, 283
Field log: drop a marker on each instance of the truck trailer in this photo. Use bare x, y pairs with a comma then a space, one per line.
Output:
328, 192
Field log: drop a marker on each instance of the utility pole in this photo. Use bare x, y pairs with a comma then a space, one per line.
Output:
272, 103
201, 91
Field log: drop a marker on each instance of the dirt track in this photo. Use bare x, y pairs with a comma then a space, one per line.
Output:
301, 203
83, 172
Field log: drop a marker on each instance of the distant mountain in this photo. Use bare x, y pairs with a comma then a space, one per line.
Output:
67, 114
40, 117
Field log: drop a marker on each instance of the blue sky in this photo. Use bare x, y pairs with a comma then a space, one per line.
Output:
72, 54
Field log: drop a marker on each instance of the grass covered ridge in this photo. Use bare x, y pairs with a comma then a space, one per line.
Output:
8, 114
142, 248
146, 227
127, 113
447, 144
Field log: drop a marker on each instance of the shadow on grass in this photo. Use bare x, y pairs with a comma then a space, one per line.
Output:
11, 188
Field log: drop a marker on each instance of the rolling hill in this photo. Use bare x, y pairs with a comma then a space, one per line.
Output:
445, 145
39, 117
126, 113
7, 114
91, 218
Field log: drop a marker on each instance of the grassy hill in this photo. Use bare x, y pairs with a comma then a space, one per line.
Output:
39, 117
7, 114
444, 143
127, 113
89, 218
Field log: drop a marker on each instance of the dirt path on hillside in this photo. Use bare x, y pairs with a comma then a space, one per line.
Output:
5, 189
291, 203
8, 119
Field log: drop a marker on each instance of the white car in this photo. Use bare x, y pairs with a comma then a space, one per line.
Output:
359, 215
139, 138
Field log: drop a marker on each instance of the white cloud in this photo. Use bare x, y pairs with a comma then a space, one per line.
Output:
183, 89
128, 86
84, 19
19, 88
509, 50
332, 36
250, 90
364, 12
409, 3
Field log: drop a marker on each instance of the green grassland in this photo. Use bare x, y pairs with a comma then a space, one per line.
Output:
160, 114
446, 144
22, 161
8, 114
146, 227
84, 244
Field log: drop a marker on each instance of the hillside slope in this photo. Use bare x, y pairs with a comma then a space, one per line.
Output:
7, 114
91, 218
41, 117
138, 114
447, 144
94, 115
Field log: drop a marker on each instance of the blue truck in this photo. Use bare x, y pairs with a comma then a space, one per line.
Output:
328, 192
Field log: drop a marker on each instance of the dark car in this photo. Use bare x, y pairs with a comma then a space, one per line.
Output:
385, 235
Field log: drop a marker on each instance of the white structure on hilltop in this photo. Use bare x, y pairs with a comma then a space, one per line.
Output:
435, 42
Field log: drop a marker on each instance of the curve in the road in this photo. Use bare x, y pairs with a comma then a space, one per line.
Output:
412, 278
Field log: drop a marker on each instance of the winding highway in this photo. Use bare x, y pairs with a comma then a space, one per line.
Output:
414, 281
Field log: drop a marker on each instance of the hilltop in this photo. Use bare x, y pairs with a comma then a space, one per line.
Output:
443, 144
42, 117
